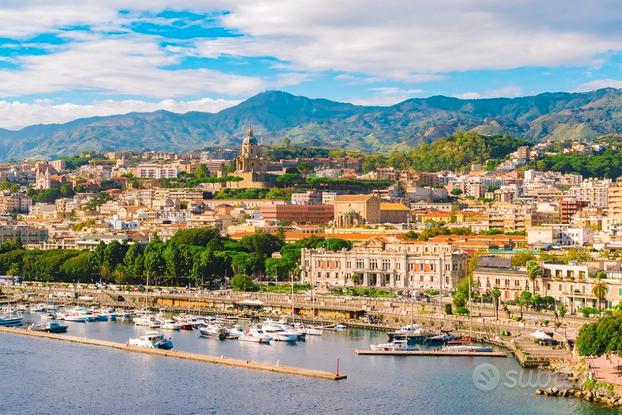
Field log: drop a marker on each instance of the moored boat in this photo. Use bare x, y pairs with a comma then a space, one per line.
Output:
396, 345
468, 349
152, 340
256, 335
49, 327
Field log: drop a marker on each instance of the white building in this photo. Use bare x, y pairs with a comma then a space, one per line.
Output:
156, 171
559, 235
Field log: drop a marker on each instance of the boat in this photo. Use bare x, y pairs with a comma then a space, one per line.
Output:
213, 330
467, 349
186, 326
152, 340
11, 319
74, 317
256, 335
281, 332
49, 327
340, 327
148, 320
393, 346
441, 339
413, 333
235, 332
170, 325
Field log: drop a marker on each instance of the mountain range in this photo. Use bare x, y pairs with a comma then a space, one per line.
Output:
320, 122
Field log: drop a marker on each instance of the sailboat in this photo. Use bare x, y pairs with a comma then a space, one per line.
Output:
151, 339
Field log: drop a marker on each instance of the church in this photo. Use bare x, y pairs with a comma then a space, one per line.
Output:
251, 166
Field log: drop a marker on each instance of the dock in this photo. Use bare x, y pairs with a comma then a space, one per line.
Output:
366, 352
197, 357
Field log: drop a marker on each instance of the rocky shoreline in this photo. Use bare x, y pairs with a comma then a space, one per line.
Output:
587, 395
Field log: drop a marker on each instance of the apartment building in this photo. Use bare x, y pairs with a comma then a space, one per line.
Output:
156, 171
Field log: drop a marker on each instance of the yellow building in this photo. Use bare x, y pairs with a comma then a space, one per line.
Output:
352, 210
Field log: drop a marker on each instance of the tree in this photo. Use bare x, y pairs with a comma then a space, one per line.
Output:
66, 190
496, 294
562, 310
600, 289
241, 282
534, 270
522, 258
456, 192
201, 171
524, 300
604, 336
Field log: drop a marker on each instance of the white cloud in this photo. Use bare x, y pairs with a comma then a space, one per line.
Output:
16, 114
130, 65
413, 41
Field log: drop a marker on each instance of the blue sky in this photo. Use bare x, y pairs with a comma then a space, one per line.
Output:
67, 59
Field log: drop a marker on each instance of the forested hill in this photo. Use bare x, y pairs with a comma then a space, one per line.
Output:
275, 115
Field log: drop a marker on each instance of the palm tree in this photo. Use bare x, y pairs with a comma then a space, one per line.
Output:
600, 289
496, 294
534, 270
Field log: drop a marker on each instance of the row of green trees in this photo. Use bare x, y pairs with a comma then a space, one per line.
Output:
193, 256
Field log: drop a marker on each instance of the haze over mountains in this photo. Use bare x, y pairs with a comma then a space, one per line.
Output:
320, 122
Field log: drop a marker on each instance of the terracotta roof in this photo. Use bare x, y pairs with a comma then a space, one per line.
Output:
394, 206
353, 198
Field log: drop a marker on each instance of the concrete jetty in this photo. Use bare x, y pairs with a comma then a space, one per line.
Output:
226, 361
366, 352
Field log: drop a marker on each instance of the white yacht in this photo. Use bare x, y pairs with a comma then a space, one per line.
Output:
152, 340
170, 325
148, 320
235, 332
213, 330
256, 335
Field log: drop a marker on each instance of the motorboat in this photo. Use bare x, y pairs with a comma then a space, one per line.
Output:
464, 348
213, 330
152, 340
340, 327
413, 333
71, 316
148, 320
256, 335
11, 319
49, 327
235, 332
282, 332
170, 325
396, 345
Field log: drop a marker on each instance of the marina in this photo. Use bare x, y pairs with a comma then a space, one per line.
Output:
133, 380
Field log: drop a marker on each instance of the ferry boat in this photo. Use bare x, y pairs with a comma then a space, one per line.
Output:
255, 335
152, 340
393, 346
49, 327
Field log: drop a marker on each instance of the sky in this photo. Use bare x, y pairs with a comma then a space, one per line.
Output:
66, 59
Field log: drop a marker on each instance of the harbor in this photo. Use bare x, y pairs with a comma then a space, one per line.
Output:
246, 364
141, 380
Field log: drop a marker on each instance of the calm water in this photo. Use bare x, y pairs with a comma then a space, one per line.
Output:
47, 377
